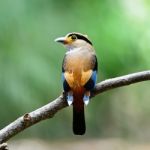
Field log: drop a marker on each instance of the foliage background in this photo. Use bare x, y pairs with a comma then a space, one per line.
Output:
30, 63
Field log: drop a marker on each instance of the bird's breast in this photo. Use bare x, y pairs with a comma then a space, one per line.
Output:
77, 69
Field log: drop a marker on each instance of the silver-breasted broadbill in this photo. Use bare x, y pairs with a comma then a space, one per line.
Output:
79, 75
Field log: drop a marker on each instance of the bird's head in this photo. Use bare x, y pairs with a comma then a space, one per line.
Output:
74, 40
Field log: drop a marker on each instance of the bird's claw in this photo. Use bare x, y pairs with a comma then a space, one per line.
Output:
69, 99
86, 99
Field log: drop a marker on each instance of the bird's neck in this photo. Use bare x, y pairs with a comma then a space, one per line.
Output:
70, 50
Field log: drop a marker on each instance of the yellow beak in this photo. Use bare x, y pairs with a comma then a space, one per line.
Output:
64, 40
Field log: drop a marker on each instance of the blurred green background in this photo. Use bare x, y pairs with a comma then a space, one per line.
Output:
30, 63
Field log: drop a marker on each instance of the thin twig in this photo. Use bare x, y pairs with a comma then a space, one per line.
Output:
49, 110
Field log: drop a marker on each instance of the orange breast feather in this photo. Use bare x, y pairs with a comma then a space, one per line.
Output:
85, 77
69, 78
75, 80
78, 70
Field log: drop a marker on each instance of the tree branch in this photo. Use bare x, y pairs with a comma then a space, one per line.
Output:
49, 110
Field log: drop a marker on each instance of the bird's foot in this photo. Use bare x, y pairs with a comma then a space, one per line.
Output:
70, 98
86, 97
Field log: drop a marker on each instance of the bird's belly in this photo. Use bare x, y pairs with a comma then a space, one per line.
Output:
77, 73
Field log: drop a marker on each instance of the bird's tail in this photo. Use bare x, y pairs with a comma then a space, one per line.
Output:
79, 126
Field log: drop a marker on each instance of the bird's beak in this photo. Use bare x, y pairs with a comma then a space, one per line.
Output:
62, 40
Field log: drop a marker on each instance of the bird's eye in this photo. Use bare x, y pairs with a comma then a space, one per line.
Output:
73, 37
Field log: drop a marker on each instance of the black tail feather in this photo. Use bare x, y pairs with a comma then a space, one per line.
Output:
79, 126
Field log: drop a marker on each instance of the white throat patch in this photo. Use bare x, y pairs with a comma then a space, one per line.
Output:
73, 50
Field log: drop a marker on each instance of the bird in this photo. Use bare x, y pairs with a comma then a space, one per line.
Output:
79, 75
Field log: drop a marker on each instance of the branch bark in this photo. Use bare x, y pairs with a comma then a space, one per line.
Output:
49, 110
